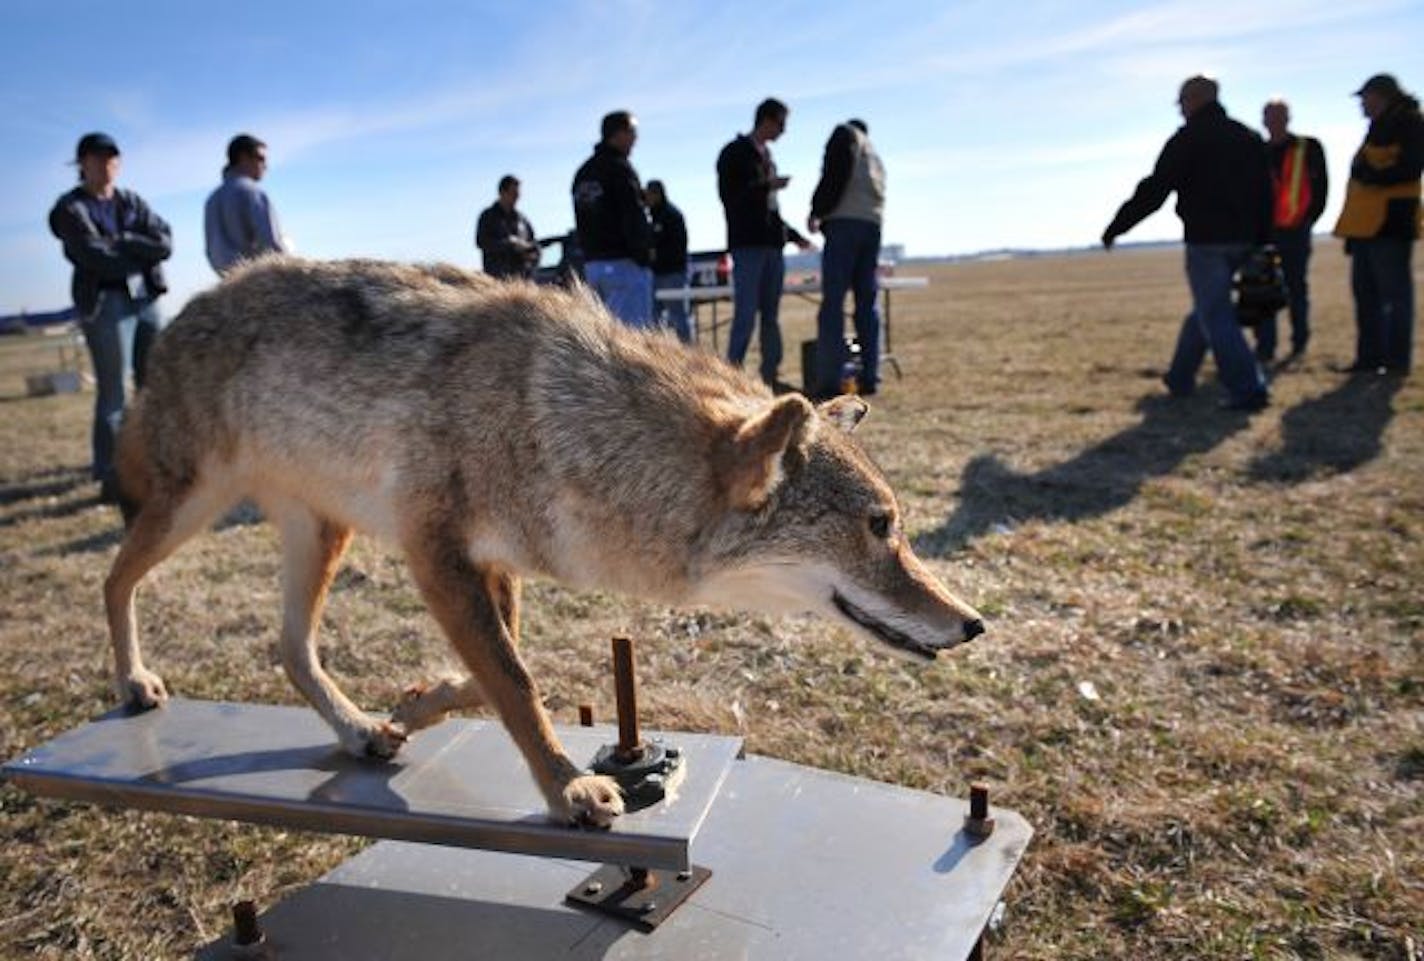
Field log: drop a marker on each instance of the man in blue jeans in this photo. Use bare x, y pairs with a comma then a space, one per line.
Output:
612, 224
1219, 171
748, 184
116, 244
848, 206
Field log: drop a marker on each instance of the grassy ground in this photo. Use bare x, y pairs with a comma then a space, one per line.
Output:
1203, 681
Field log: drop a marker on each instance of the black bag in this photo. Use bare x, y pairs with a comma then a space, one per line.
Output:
1260, 287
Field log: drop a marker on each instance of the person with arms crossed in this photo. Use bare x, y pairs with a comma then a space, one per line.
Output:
1219, 171
116, 244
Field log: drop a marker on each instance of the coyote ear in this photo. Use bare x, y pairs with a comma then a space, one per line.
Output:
845, 411
748, 463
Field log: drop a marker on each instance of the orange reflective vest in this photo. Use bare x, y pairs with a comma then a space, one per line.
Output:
1292, 183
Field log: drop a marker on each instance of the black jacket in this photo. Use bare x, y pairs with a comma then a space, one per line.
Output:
836, 168
103, 262
669, 240
1218, 168
744, 184
609, 216
492, 235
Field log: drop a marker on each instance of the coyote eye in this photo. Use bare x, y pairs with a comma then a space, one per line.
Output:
880, 525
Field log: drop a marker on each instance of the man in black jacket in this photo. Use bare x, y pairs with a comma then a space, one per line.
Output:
1219, 171
612, 224
505, 236
669, 260
116, 244
747, 182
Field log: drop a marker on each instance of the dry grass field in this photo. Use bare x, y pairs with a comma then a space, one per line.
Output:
1203, 681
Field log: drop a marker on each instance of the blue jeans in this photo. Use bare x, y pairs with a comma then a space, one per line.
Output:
119, 338
1381, 276
849, 262
625, 287
1294, 247
1212, 324
758, 274
672, 314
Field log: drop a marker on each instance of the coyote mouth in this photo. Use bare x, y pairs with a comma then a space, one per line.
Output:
895, 638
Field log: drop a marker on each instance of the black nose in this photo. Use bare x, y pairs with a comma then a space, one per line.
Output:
973, 629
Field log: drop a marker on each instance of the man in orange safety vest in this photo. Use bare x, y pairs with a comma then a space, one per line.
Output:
1299, 183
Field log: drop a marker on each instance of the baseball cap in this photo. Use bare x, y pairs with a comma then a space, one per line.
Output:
95, 143
1381, 83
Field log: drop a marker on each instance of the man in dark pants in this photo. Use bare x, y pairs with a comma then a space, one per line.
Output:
1300, 184
1380, 222
1219, 171
747, 182
848, 206
669, 260
505, 236
116, 244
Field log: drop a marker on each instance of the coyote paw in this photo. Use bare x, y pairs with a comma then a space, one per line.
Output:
380, 739
142, 689
425, 704
592, 801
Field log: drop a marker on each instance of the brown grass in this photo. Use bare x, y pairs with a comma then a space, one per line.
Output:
1242, 593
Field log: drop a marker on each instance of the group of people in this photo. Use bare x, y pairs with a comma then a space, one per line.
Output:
633, 241
117, 245
1237, 194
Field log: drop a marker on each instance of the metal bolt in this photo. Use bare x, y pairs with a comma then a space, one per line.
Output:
684, 875
593, 887
625, 684
648, 907
978, 824
244, 924
585, 715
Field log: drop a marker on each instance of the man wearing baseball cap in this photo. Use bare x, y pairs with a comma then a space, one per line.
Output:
1380, 223
116, 244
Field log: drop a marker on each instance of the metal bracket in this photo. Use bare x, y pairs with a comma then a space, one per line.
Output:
645, 778
644, 897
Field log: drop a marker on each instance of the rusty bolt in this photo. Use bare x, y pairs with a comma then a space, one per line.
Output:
244, 924
978, 824
586, 715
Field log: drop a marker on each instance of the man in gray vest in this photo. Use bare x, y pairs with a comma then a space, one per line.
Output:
847, 207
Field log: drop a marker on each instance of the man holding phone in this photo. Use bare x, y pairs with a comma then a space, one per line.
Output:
748, 183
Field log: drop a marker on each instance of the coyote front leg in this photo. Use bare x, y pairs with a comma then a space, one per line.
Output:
311, 550
472, 603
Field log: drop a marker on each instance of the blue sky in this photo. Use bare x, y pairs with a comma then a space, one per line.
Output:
1001, 124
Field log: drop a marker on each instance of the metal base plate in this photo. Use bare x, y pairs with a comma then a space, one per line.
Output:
461, 783
646, 901
806, 864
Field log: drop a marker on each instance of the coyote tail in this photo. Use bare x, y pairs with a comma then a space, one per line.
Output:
132, 462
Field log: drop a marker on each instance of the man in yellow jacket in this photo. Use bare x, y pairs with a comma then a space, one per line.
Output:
1380, 223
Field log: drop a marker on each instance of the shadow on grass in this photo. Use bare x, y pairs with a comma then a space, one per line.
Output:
53, 482
1334, 433
1102, 478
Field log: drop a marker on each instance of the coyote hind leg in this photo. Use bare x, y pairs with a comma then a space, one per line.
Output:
470, 602
168, 517
427, 704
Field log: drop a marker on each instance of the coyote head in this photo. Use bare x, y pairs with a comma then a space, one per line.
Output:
811, 525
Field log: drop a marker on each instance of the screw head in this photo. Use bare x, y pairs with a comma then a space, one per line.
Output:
593, 887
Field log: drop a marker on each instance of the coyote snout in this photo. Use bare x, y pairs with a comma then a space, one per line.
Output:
495, 431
